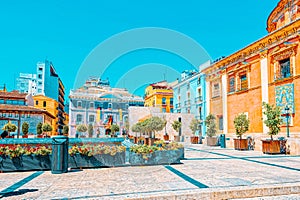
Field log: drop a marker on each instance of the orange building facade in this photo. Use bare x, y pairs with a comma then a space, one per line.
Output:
267, 70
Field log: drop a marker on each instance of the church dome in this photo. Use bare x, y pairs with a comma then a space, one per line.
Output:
284, 13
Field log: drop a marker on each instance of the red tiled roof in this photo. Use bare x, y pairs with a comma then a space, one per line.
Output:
20, 108
13, 94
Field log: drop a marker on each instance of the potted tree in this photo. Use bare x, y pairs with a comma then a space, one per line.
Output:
90, 130
210, 122
114, 128
194, 126
154, 124
65, 130
241, 125
25, 127
176, 125
39, 130
46, 128
10, 127
273, 122
81, 128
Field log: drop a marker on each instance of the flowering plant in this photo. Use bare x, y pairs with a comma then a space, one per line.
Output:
90, 150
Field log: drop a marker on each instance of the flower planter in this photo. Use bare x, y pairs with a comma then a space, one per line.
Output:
240, 144
212, 141
194, 139
166, 137
176, 138
271, 146
107, 160
156, 158
100, 160
79, 161
25, 163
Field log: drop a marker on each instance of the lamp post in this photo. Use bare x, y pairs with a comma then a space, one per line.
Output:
287, 120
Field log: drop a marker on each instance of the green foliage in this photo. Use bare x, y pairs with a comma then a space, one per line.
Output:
25, 127
210, 122
10, 127
273, 120
46, 127
65, 130
241, 124
114, 128
39, 128
194, 125
176, 125
149, 125
90, 130
81, 128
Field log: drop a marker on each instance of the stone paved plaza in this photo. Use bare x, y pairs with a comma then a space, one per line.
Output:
206, 173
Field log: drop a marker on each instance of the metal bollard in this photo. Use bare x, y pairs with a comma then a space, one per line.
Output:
59, 162
222, 141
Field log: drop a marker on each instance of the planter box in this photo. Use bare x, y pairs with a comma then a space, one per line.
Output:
212, 141
271, 146
100, 160
194, 139
78, 161
25, 163
240, 144
166, 137
156, 158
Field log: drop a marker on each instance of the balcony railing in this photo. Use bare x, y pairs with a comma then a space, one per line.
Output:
187, 102
198, 99
178, 105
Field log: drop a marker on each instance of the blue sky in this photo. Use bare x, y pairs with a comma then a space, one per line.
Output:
67, 32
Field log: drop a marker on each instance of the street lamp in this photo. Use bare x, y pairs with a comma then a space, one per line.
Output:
287, 120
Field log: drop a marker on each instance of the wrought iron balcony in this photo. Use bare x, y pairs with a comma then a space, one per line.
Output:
198, 99
187, 102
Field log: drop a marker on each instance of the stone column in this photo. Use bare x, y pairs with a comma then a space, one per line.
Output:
224, 102
264, 86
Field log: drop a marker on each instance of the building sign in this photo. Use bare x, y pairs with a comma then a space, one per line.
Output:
285, 96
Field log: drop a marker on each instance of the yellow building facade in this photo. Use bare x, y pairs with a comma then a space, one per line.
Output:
159, 95
268, 70
50, 105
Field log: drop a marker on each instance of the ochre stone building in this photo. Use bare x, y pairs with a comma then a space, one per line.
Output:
268, 70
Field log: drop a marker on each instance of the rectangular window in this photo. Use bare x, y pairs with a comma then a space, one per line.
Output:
231, 84
44, 104
78, 118
216, 90
36, 102
164, 110
244, 82
221, 123
91, 118
40, 76
164, 101
171, 101
79, 104
91, 105
285, 70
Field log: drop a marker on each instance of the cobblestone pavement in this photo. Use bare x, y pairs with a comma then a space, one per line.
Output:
206, 173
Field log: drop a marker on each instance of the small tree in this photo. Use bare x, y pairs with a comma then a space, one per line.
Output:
65, 130
81, 128
46, 128
210, 122
155, 124
176, 125
25, 128
90, 130
241, 124
194, 125
39, 128
10, 127
114, 128
273, 120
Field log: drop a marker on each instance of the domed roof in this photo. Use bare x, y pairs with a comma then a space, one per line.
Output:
284, 13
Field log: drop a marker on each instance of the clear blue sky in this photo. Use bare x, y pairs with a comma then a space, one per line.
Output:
66, 32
